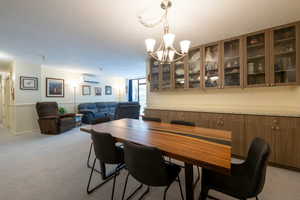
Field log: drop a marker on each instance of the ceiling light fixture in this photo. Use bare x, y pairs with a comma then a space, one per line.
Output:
166, 52
5, 56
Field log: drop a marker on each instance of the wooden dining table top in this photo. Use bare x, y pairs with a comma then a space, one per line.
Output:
208, 148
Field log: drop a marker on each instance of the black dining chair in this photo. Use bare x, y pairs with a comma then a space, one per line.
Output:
106, 151
152, 119
246, 179
147, 165
185, 123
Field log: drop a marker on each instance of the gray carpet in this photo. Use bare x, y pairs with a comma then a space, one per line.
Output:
39, 167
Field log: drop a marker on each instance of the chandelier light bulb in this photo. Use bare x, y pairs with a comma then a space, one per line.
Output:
185, 45
169, 39
150, 43
160, 55
171, 55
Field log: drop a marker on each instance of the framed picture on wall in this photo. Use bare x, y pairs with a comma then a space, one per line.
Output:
108, 90
28, 83
98, 91
55, 87
86, 90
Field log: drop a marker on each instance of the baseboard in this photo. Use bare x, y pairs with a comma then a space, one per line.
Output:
26, 132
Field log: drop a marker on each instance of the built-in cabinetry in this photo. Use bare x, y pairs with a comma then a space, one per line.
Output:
282, 133
266, 58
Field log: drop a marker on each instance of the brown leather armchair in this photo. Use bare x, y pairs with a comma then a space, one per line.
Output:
50, 121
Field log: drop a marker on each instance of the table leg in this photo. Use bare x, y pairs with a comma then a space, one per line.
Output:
189, 181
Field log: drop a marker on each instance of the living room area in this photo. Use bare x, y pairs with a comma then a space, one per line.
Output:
143, 99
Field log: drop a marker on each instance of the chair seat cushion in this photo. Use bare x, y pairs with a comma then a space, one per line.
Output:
236, 184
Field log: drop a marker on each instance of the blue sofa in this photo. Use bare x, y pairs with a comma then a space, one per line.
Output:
104, 111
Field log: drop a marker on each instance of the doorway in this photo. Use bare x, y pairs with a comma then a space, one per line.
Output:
139, 92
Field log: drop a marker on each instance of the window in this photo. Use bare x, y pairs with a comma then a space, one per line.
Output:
139, 92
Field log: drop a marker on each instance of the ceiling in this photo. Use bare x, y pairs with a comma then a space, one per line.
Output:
92, 34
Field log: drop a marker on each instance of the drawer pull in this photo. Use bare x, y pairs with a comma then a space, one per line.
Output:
277, 128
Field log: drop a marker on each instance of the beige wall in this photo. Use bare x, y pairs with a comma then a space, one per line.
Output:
22, 114
277, 100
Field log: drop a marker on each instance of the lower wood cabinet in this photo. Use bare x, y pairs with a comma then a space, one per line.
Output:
282, 133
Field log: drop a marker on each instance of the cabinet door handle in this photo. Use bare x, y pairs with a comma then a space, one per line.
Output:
273, 127
277, 128
275, 121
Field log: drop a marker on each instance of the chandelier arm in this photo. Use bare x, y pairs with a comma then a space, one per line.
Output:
179, 58
153, 56
152, 25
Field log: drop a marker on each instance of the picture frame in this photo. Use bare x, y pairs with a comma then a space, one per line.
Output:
98, 91
86, 90
55, 87
108, 90
28, 83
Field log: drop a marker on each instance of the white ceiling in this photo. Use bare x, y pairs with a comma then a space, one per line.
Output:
88, 34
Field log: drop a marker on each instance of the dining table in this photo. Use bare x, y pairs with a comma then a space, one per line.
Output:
192, 145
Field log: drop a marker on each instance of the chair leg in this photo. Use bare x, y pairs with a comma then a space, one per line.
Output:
124, 189
146, 192
114, 184
165, 192
89, 191
89, 158
204, 193
179, 183
198, 176
134, 192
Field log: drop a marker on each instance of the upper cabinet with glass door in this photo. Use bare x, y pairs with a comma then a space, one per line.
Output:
232, 70
194, 68
154, 75
257, 60
284, 56
179, 74
211, 66
166, 79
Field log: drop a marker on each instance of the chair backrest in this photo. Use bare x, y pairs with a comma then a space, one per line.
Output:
127, 110
153, 119
105, 149
46, 109
182, 123
145, 164
256, 164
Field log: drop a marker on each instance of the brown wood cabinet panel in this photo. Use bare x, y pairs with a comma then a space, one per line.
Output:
233, 123
282, 133
259, 126
287, 137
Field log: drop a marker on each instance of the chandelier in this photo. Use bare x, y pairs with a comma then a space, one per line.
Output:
166, 52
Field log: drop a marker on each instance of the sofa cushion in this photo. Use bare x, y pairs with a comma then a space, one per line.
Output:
99, 115
102, 107
88, 107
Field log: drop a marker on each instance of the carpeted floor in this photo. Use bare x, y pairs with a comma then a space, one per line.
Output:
39, 167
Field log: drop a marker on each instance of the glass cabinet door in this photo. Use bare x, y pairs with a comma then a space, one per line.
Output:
284, 56
256, 60
179, 72
194, 68
154, 72
232, 64
166, 76
211, 66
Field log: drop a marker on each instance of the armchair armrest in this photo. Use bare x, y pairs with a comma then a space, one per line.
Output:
49, 117
67, 115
